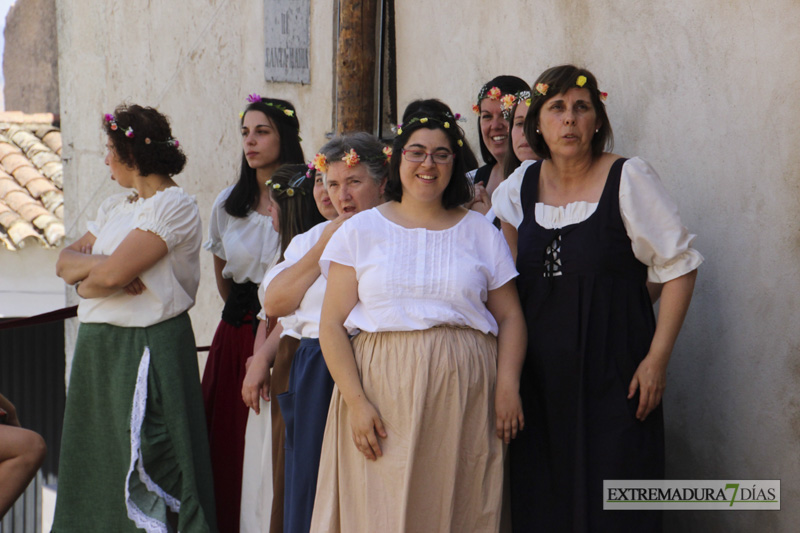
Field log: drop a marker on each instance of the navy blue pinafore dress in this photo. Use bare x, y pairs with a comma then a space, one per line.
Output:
590, 323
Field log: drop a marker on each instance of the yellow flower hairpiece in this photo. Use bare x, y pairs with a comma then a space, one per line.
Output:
351, 158
528, 102
581, 81
320, 163
387, 151
460, 142
541, 89
423, 120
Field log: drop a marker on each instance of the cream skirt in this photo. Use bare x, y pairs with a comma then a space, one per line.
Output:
442, 463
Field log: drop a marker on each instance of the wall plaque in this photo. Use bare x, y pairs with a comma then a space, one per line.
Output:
287, 30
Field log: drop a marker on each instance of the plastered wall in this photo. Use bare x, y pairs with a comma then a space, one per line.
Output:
705, 91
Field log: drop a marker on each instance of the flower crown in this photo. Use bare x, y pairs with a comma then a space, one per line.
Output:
290, 188
445, 119
492, 93
112, 121
542, 88
351, 159
256, 98
510, 100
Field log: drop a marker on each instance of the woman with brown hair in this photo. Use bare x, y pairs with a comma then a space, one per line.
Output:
134, 450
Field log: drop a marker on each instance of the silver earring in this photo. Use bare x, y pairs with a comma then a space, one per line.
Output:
597, 130
538, 132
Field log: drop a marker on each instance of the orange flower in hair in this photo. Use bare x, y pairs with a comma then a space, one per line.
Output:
320, 163
351, 158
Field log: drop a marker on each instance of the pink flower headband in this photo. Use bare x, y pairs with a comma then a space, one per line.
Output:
256, 98
112, 121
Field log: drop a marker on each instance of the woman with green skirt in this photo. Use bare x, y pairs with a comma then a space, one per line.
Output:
134, 450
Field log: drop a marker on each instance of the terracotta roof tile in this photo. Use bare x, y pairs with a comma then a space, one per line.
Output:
31, 181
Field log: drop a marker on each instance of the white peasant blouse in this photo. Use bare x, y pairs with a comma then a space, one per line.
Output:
650, 215
249, 245
172, 282
415, 279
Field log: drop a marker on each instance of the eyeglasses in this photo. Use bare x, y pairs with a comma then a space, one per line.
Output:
441, 157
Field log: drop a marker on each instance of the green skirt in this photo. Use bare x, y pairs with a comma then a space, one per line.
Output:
134, 449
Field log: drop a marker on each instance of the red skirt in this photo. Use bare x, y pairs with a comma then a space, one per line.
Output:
226, 416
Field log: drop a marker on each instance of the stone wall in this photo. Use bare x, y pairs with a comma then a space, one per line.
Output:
30, 57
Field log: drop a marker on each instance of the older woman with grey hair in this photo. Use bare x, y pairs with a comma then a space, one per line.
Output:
355, 169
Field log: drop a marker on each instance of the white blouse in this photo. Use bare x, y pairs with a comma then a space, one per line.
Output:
249, 245
651, 219
415, 279
172, 282
304, 322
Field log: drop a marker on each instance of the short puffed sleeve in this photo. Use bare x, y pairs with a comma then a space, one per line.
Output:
504, 269
217, 224
171, 214
341, 247
506, 201
103, 212
658, 238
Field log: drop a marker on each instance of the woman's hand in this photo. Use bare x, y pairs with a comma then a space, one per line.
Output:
365, 424
651, 380
331, 228
508, 408
481, 202
651, 376
135, 287
256, 383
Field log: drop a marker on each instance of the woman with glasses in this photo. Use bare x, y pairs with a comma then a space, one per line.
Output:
244, 244
427, 391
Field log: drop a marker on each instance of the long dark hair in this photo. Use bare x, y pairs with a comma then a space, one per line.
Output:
292, 190
245, 194
507, 85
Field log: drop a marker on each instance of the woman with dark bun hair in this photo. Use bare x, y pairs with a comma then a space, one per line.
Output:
134, 452
244, 245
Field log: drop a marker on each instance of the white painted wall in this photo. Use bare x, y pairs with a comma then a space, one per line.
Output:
28, 282
705, 91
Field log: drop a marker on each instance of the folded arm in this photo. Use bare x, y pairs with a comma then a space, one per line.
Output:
137, 253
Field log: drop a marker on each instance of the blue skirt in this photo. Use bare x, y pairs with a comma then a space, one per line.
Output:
305, 410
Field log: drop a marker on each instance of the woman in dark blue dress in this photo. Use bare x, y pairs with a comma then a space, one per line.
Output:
591, 229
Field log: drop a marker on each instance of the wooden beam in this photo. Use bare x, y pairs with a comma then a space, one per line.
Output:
355, 66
